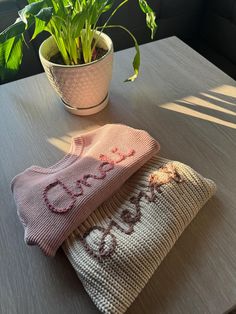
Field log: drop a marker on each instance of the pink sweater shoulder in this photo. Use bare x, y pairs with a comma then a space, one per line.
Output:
52, 202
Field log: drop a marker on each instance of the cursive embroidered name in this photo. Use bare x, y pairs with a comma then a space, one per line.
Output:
107, 164
100, 242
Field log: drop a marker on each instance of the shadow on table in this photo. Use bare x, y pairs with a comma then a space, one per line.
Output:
217, 106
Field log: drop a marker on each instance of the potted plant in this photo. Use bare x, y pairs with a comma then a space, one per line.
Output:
77, 57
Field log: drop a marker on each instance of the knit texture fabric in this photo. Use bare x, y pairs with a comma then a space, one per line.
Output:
52, 202
120, 245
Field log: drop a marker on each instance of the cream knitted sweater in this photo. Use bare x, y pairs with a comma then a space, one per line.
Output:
120, 245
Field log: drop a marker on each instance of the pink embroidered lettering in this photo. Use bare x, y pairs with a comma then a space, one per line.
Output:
105, 166
64, 190
100, 249
122, 156
106, 246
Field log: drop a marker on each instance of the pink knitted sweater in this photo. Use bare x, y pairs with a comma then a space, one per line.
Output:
52, 202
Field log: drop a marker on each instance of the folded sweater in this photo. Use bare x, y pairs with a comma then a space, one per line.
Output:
52, 202
121, 244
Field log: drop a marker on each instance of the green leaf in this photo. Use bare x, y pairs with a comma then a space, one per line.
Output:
136, 61
13, 30
61, 11
10, 57
151, 23
41, 20
93, 14
108, 5
136, 64
30, 9
77, 23
66, 2
31, 1
39, 27
51, 3
45, 14
150, 16
104, 5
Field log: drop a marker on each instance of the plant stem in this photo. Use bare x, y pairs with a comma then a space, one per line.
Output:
136, 61
107, 21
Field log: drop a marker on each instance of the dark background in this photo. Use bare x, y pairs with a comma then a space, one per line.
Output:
208, 26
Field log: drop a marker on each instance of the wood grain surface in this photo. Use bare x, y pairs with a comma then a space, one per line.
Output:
190, 107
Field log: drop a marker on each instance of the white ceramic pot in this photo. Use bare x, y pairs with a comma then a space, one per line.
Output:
82, 88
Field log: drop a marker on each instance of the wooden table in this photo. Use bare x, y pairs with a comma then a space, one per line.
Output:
190, 107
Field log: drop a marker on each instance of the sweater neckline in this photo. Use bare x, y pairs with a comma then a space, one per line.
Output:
74, 153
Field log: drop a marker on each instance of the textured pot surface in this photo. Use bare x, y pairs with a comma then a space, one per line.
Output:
83, 88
